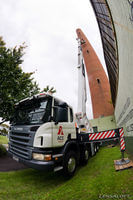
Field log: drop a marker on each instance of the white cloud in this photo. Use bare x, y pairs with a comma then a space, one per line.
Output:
49, 30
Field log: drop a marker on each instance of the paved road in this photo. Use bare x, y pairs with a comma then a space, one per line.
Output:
8, 164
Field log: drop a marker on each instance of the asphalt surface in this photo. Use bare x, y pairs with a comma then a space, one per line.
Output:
8, 164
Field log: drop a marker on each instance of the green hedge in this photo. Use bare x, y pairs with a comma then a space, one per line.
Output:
3, 139
3, 151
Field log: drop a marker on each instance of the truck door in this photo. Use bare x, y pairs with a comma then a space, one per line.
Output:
63, 128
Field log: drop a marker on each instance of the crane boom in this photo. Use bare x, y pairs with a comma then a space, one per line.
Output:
81, 117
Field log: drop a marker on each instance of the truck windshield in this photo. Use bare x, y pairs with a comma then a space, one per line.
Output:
32, 112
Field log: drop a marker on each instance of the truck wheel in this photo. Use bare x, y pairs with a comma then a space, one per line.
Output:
95, 149
70, 164
98, 146
85, 156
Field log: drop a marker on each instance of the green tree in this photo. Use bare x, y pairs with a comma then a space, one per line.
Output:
4, 128
49, 90
14, 83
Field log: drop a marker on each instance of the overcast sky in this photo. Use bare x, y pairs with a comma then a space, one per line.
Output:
49, 30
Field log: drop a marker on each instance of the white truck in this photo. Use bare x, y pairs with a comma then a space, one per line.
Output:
43, 133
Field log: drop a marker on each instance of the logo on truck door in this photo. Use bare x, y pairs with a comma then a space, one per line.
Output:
60, 134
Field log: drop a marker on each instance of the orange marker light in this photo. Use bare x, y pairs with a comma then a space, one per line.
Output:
47, 157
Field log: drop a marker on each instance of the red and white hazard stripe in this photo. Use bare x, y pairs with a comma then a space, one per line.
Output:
122, 141
108, 134
102, 135
121, 132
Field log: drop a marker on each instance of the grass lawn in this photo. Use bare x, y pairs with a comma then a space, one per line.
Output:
3, 139
97, 180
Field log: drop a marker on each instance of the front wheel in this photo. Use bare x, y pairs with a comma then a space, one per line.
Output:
70, 164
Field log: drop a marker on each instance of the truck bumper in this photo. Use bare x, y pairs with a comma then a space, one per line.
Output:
39, 165
35, 164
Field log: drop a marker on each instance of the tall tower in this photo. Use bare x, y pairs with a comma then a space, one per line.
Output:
98, 81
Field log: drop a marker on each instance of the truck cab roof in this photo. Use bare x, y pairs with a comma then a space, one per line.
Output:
43, 95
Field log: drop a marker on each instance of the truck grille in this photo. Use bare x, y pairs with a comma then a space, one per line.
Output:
19, 143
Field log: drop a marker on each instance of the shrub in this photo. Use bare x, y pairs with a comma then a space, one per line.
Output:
3, 151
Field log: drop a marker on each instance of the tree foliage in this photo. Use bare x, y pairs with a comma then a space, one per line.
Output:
14, 83
49, 90
4, 129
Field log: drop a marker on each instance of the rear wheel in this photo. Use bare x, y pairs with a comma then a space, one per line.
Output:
96, 148
70, 164
85, 156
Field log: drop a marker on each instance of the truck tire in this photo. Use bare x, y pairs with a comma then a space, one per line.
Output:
84, 156
69, 164
96, 148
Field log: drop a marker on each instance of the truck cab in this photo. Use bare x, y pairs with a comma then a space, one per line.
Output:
41, 128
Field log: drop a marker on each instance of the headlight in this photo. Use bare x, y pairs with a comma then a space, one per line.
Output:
39, 156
